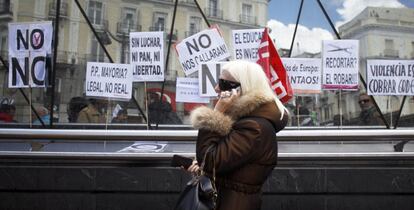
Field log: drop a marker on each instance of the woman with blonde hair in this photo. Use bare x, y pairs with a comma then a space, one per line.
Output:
242, 127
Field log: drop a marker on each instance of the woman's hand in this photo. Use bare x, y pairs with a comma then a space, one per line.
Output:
194, 168
226, 100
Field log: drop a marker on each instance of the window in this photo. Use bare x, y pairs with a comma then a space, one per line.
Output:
5, 6
95, 12
195, 23
213, 8
246, 13
128, 18
97, 53
159, 21
389, 44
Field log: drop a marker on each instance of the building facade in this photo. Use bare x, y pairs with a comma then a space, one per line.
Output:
113, 20
383, 33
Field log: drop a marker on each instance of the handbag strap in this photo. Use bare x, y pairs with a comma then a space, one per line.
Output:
214, 164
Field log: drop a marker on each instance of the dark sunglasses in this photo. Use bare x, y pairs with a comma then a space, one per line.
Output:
226, 85
363, 101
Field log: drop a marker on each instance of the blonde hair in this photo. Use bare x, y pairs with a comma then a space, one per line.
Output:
252, 78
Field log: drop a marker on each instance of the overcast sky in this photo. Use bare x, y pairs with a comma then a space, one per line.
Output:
313, 25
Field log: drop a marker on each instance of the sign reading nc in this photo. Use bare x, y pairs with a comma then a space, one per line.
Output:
29, 45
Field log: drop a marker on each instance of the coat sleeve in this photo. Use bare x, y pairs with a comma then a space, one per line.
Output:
229, 151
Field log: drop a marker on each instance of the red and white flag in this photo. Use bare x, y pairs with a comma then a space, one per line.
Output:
272, 65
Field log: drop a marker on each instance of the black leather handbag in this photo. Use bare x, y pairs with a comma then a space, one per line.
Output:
200, 193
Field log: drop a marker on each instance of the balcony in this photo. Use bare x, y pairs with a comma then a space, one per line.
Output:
190, 33
213, 13
391, 53
100, 25
166, 30
66, 57
247, 19
63, 10
125, 29
6, 11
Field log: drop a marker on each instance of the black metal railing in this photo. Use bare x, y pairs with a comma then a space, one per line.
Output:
214, 13
248, 19
166, 30
190, 33
391, 53
125, 28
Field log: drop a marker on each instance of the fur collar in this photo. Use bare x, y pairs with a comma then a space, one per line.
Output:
206, 118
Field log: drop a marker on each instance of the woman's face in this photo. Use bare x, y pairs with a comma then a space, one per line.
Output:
226, 82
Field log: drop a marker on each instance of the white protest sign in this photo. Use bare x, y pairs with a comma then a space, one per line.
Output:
202, 47
110, 80
147, 56
340, 64
29, 47
187, 91
390, 77
246, 44
208, 78
304, 74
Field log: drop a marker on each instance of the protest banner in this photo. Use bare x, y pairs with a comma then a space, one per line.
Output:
272, 65
304, 74
205, 46
187, 91
29, 47
390, 77
340, 64
147, 56
246, 44
110, 80
208, 78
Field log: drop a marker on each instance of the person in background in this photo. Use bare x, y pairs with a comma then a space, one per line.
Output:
43, 114
121, 117
7, 112
161, 111
94, 112
241, 130
369, 114
76, 104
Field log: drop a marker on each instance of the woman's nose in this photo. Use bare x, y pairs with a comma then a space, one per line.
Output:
217, 89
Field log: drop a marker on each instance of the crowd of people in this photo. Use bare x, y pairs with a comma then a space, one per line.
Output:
93, 110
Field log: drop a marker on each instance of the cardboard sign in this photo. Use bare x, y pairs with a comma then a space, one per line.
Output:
390, 77
187, 91
147, 56
110, 80
208, 78
304, 74
205, 46
340, 64
29, 47
246, 44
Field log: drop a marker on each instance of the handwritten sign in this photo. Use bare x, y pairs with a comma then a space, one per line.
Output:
29, 47
205, 46
187, 91
147, 56
246, 44
108, 80
390, 77
304, 74
340, 64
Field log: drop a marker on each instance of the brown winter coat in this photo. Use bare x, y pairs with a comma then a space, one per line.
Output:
245, 150
90, 114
